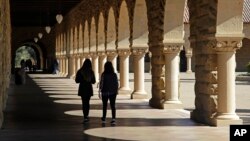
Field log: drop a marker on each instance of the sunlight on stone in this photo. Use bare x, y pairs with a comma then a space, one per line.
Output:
64, 96
145, 133
133, 113
61, 92
65, 89
68, 101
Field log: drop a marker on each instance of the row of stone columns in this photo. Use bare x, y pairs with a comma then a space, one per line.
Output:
69, 66
172, 59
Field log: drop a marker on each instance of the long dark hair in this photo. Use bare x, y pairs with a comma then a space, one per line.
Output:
86, 70
108, 67
87, 64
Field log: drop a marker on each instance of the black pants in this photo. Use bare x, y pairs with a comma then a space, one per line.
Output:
111, 99
85, 106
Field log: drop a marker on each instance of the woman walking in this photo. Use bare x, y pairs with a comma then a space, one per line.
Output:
108, 90
85, 76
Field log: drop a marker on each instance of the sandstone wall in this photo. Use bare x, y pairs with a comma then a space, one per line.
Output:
5, 57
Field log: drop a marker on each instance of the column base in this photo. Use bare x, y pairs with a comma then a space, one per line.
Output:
71, 76
139, 95
124, 91
156, 103
226, 122
65, 75
225, 119
172, 105
189, 71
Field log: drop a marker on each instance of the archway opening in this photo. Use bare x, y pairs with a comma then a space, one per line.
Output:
29, 56
183, 61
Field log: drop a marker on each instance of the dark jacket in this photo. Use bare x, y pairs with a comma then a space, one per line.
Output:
109, 83
85, 88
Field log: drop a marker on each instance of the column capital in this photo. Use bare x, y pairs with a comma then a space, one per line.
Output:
86, 55
101, 53
93, 54
124, 52
172, 47
111, 52
139, 51
228, 44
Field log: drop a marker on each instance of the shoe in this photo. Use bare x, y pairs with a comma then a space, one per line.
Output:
85, 120
103, 120
113, 122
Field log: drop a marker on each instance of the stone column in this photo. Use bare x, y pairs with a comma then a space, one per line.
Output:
61, 65
74, 65
157, 72
64, 69
111, 56
139, 90
172, 62
189, 56
124, 69
94, 57
70, 67
150, 65
78, 63
82, 59
226, 49
66, 66
102, 61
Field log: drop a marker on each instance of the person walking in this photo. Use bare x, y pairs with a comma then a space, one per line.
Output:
85, 76
108, 90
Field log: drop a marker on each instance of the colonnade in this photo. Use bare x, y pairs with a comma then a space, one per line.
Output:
149, 26
105, 30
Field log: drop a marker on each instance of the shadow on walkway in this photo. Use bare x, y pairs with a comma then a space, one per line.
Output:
47, 108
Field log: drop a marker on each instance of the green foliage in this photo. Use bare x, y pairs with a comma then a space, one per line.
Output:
24, 53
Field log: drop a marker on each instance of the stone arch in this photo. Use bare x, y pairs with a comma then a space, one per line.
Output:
140, 24
111, 30
123, 27
80, 49
59, 44
101, 33
76, 39
71, 41
140, 19
86, 37
64, 43
173, 29
68, 42
93, 36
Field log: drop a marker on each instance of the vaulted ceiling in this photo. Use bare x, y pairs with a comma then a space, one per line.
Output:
39, 12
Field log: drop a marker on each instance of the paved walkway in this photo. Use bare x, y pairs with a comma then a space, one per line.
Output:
47, 108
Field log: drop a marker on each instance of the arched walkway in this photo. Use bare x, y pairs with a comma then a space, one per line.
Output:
105, 30
56, 114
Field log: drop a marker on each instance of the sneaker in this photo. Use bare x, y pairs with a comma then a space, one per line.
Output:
113, 122
103, 120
